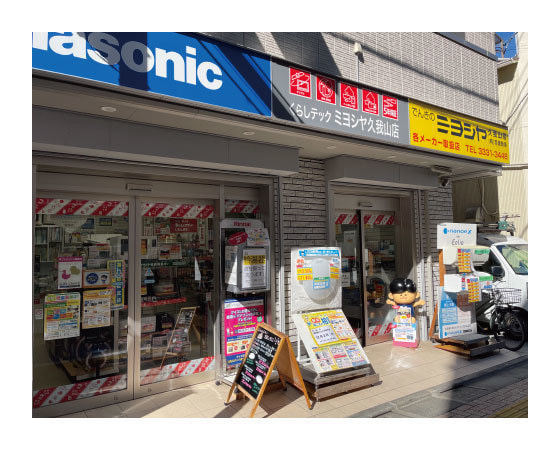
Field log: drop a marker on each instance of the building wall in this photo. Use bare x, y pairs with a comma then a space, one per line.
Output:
424, 66
508, 193
514, 111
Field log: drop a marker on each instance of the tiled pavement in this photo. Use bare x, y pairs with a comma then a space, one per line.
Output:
402, 371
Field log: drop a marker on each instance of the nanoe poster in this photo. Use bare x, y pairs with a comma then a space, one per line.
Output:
241, 317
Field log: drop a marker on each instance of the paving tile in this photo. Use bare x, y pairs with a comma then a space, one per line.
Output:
431, 407
360, 406
105, 412
78, 415
138, 406
291, 411
333, 414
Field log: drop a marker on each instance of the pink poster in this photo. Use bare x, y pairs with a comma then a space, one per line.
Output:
241, 317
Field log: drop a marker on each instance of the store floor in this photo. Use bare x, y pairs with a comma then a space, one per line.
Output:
402, 372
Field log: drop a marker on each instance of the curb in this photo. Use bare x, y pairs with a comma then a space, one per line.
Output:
416, 396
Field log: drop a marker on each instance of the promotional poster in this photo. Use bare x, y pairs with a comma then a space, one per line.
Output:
240, 320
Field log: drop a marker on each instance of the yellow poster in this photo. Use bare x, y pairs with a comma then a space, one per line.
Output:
335, 345
440, 130
328, 327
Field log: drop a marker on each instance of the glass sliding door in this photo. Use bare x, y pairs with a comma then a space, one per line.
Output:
348, 238
370, 239
380, 253
176, 292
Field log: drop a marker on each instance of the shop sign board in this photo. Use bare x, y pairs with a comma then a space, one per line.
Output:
306, 98
436, 129
258, 364
329, 340
268, 349
456, 235
241, 317
181, 65
316, 280
62, 316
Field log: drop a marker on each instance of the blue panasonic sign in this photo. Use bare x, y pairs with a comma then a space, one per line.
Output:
181, 65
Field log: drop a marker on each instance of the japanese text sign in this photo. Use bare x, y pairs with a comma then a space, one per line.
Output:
436, 129
306, 98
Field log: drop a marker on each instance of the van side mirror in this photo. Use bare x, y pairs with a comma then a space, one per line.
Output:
497, 271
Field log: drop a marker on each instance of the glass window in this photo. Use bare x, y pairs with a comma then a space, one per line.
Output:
517, 256
177, 283
79, 299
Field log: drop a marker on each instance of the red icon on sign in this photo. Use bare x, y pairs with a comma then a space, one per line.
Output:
300, 82
326, 89
390, 108
370, 102
348, 96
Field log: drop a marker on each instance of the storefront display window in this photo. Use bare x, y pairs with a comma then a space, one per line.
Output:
79, 299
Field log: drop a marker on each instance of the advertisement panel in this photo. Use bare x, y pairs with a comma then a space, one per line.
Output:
454, 319
315, 276
456, 235
436, 129
62, 316
240, 320
329, 340
180, 65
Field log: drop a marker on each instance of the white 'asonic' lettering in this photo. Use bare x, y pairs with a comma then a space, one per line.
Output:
135, 55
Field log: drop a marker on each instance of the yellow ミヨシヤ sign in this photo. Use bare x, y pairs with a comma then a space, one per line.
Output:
436, 129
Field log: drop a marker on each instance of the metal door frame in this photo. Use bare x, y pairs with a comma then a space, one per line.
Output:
404, 233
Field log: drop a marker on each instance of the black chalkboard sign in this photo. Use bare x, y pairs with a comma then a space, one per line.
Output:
258, 362
268, 349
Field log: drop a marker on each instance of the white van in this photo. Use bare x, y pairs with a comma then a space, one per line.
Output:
509, 265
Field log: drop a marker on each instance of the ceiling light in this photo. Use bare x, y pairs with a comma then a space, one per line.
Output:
391, 157
108, 109
248, 133
331, 147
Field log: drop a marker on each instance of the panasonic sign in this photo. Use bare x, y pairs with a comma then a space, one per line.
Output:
456, 235
181, 65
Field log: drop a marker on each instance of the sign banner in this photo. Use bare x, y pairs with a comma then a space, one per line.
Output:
311, 99
240, 320
181, 65
436, 129
456, 235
